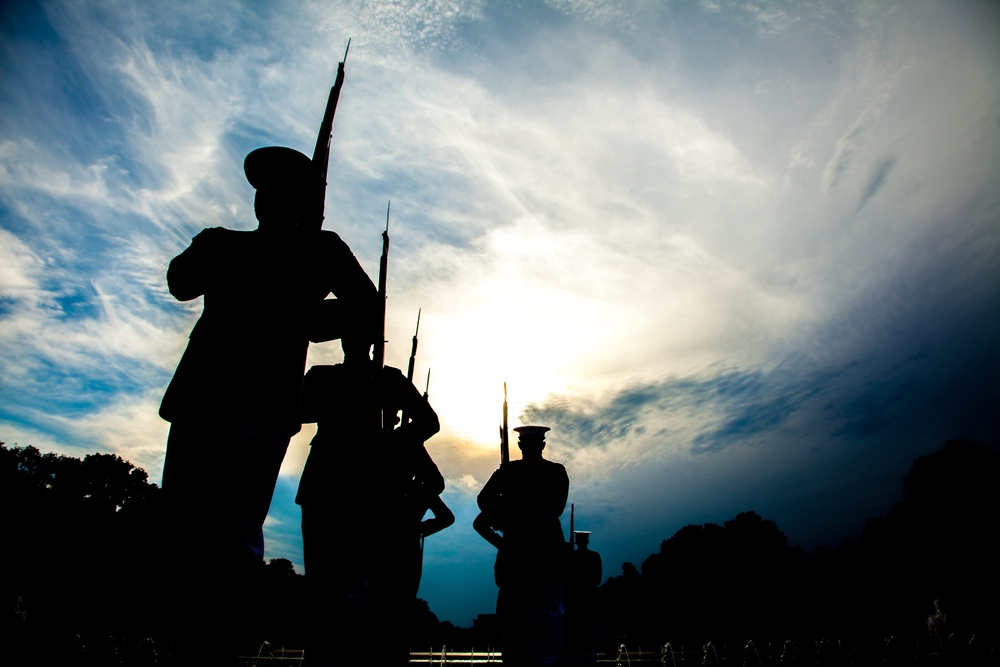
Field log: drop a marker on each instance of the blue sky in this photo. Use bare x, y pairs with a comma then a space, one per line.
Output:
738, 255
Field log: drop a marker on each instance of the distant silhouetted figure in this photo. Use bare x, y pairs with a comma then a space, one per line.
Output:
521, 504
583, 576
357, 518
234, 399
937, 628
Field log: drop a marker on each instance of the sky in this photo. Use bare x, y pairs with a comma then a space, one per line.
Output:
737, 255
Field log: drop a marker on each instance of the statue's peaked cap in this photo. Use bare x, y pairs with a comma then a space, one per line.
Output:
277, 166
531, 431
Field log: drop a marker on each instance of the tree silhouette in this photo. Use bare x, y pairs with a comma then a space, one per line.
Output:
938, 541
79, 545
742, 580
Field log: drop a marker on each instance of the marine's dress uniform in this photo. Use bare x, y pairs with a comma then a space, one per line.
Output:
524, 499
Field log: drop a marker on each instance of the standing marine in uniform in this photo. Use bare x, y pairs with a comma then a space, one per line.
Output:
583, 576
521, 505
233, 402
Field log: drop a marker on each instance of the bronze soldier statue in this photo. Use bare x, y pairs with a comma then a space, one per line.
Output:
357, 492
521, 505
234, 399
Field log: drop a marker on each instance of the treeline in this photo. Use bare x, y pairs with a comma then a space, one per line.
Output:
742, 581
83, 564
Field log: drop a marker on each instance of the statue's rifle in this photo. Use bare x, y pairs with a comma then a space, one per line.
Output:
413, 359
413, 349
426, 389
378, 355
321, 154
504, 438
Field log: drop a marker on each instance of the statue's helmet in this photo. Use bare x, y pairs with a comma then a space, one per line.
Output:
277, 167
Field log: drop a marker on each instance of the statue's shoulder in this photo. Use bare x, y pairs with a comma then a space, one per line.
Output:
220, 232
219, 235
556, 468
331, 241
393, 373
323, 370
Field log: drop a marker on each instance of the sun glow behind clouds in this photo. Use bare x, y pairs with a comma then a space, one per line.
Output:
536, 309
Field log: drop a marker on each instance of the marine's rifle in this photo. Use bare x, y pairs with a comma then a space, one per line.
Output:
504, 439
572, 534
321, 154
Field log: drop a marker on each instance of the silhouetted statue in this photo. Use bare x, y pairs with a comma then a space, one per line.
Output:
521, 505
398, 554
357, 518
937, 628
234, 399
421, 495
583, 576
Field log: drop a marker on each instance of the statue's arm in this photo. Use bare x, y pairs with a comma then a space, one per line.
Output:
190, 273
443, 517
481, 524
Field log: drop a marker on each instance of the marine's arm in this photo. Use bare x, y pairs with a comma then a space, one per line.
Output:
560, 490
597, 570
489, 496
